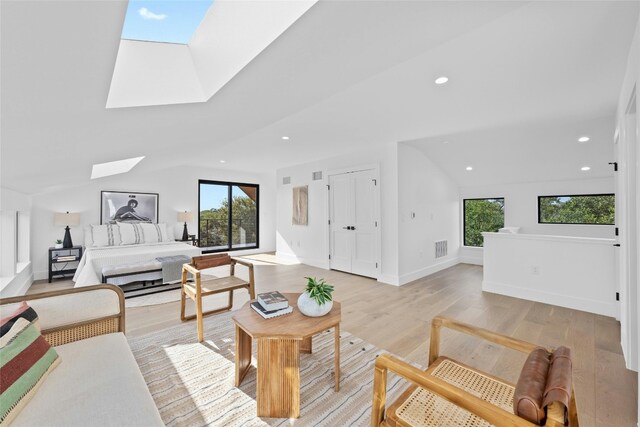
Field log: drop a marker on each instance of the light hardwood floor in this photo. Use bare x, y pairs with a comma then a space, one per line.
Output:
397, 319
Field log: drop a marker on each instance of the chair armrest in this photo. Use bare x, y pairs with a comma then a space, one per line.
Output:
249, 265
504, 340
493, 414
191, 269
243, 262
73, 314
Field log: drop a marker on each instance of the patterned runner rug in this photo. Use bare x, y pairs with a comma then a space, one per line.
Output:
192, 383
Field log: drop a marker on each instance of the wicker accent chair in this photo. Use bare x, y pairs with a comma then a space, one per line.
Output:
450, 393
200, 286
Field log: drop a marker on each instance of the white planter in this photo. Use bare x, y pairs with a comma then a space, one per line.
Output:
309, 307
58, 246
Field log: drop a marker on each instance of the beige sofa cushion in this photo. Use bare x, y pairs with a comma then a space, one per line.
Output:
97, 383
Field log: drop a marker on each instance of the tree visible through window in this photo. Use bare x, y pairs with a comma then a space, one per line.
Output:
481, 215
228, 216
584, 209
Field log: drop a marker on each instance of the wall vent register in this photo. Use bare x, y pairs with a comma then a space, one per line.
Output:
441, 248
317, 176
286, 180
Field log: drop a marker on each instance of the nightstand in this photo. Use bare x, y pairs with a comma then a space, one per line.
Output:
192, 238
59, 260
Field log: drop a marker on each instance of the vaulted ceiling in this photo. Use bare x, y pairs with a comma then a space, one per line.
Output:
345, 76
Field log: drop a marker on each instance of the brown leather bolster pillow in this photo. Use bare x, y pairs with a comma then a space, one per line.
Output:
530, 389
558, 387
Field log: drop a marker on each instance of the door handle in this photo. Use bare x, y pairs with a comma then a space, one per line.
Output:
347, 228
352, 227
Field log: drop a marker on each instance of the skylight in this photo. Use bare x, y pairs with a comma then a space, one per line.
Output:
168, 21
113, 168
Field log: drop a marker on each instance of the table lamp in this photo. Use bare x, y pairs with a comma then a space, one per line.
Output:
185, 217
66, 219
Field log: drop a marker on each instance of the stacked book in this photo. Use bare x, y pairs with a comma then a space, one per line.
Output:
271, 304
66, 258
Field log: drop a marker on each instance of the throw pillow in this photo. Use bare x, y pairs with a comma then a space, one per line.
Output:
27, 359
88, 238
105, 235
154, 233
23, 311
131, 233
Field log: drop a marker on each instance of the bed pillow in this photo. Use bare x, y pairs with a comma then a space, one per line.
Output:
105, 235
154, 233
27, 359
88, 239
131, 233
22, 312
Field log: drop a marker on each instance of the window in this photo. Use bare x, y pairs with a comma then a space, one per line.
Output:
582, 209
164, 21
481, 215
227, 216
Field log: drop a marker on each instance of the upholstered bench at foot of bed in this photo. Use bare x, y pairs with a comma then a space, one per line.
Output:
146, 270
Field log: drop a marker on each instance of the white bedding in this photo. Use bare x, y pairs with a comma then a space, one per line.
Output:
89, 270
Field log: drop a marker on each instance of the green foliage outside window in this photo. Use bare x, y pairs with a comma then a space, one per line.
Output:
591, 209
481, 215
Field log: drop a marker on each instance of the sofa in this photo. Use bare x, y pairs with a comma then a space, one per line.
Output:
97, 381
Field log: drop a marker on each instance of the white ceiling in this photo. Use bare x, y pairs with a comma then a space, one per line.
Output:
345, 76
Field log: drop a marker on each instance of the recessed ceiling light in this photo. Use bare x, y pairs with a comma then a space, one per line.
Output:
583, 139
469, 168
100, 170
442, 80
585, 168
286, 138
223, 161
445, 142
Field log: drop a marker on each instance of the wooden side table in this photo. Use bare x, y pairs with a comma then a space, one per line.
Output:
59, 256
280, 342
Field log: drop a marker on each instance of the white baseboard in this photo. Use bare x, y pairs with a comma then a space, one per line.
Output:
389, 279
426, 271
576, 303
466, 259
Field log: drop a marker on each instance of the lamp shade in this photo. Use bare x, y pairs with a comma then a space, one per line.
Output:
66, 218
185, 216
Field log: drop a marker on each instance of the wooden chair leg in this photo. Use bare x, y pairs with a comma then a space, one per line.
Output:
182, 305
200, 323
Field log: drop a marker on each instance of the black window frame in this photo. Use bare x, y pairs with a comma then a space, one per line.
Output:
230, 186
464, 218
574, 195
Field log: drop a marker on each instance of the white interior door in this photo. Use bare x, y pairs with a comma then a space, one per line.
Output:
353, 222
340, 219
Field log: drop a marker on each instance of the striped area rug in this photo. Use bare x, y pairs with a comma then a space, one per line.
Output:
192, 383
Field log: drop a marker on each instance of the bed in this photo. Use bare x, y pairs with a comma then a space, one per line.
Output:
109, 245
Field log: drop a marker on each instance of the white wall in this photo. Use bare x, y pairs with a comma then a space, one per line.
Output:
16, 272
573, 272
309, 244
177, 189
521, 208
428, 211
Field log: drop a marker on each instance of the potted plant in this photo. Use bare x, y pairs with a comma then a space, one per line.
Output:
316, 300
58, 244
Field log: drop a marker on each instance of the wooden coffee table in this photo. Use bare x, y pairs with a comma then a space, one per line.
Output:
280, 341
